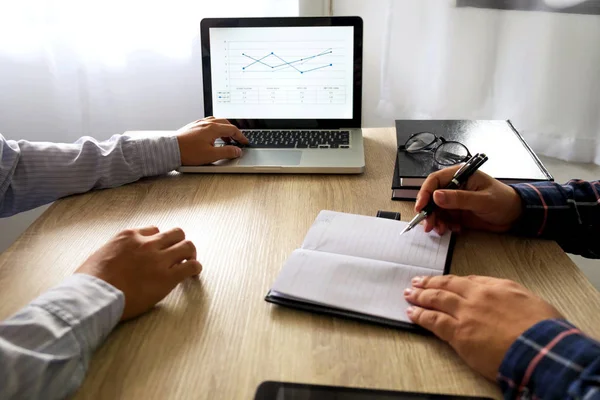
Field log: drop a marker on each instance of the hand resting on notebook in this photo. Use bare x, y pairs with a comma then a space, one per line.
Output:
355, 265
498, 327
480, 317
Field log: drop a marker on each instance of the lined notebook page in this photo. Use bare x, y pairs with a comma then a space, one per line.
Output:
349, 283
377, 239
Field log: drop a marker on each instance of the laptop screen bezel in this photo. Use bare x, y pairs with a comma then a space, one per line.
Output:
355, 22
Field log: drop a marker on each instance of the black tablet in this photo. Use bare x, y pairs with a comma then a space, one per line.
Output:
299, 391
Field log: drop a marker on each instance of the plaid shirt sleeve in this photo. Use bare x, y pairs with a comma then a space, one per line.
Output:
569, 214
551, 360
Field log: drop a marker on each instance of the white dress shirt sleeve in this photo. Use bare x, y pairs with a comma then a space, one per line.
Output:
37, 173
45, 348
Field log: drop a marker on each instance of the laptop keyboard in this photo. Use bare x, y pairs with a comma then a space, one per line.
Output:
298, 139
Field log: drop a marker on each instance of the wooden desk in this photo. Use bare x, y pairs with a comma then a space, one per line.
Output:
215, 338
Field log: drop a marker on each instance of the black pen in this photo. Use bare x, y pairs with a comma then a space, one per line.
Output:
460, 177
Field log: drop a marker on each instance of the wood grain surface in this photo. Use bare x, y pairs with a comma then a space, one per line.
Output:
215, 337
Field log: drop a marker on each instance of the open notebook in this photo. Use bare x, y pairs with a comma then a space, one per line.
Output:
358, 267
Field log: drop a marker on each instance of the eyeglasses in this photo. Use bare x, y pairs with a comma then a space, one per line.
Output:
445, 152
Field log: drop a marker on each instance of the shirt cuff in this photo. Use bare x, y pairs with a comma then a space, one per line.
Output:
534, 212
159, 155
90, 306
542, 362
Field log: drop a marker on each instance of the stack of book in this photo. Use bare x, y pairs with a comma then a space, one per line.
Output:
511, 160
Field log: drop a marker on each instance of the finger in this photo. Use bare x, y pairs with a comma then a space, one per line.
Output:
240, 137
441, 227
227, 130
461, 200
171, 237
451, 283
421, 202
433, 182
433, 219
184, 250
456, 228
453, 219
444, 220
185, 270
148, 230
225, 152
434, 299
430, 223
442, 325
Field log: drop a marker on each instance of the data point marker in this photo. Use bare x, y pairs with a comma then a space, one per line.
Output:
287, 63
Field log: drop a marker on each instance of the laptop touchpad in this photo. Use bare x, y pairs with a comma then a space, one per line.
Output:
270, 157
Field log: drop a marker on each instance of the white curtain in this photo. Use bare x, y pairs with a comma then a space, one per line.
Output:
70, 68
88, 67
539, 69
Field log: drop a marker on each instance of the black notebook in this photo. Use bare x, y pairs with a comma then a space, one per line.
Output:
357, 267
399, 192
511, 160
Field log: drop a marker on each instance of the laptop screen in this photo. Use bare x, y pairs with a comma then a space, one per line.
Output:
283, 73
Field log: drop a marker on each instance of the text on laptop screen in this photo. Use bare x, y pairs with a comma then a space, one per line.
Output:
282, 72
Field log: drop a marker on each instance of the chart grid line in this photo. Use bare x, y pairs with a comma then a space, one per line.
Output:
288, 63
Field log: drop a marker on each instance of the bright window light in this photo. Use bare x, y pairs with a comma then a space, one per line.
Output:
108, 31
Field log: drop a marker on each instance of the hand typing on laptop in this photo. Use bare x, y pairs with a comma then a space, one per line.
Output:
197, 141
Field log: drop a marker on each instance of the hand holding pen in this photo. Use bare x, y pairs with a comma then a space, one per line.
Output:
481, 203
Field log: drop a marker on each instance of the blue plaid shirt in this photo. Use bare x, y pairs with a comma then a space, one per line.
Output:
554, 359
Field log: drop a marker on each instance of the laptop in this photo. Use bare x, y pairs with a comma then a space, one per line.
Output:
293, 86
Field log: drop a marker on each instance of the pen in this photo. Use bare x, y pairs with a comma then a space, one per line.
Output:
460, 177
